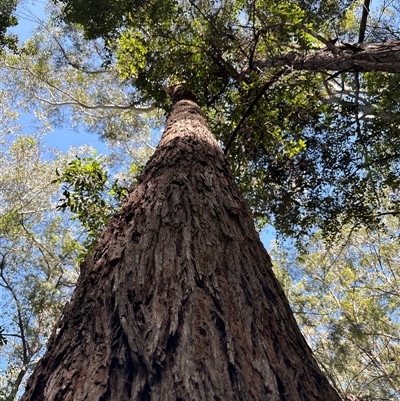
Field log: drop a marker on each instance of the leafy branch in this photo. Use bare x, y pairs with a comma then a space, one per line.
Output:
88, 194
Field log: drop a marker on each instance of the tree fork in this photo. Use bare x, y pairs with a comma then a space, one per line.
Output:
179, 301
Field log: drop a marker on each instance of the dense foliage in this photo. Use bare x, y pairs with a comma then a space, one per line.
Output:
309, 149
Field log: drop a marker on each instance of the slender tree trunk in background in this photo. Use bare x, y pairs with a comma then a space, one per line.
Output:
179, 302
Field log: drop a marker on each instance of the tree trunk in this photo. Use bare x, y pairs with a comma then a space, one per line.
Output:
346, 57
179, 302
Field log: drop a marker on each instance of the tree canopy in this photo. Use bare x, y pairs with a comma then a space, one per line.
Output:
312, 141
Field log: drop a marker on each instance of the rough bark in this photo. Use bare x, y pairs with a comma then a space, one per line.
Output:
179, 302
383, 56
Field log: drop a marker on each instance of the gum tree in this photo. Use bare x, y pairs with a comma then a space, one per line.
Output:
178, 301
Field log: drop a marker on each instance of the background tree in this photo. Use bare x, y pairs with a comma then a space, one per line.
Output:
345, 297
41, 249
38, 256
69, 82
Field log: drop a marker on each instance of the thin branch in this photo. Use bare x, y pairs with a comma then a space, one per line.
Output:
70, 62
363, 24
18, 306
34, 211
17, 382
76, 102
42, 249
327, 42
11, 335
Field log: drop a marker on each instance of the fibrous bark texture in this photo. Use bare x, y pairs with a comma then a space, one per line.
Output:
383, 56
179, 302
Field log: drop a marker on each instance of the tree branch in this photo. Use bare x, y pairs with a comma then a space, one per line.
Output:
20, 322
76, 102
363, 24
383, 57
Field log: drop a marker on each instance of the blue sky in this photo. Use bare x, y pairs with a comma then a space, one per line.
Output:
61, 138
